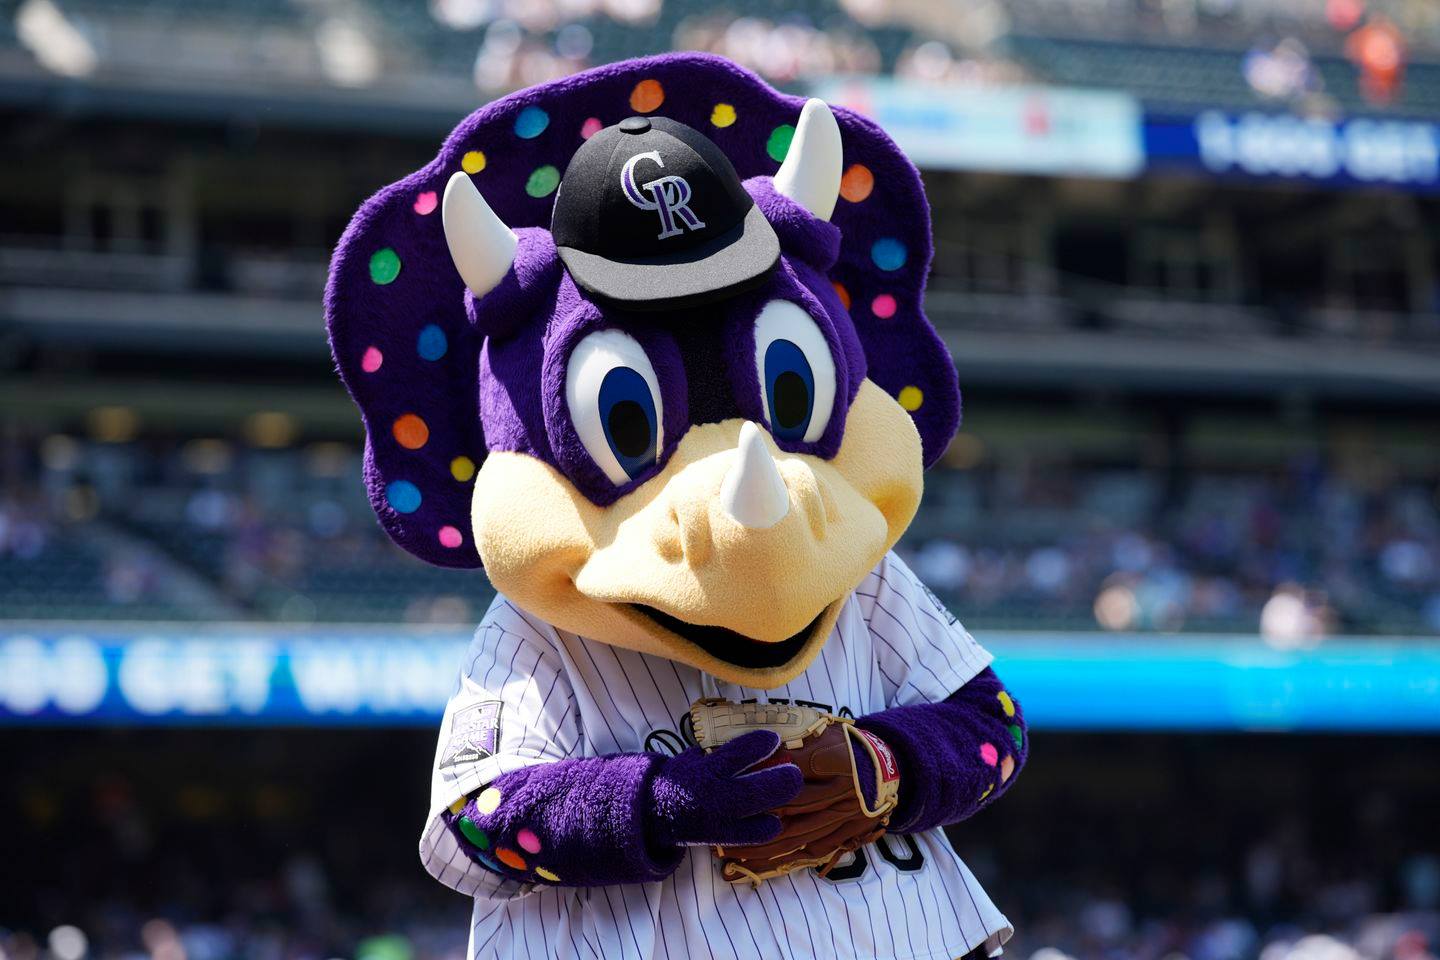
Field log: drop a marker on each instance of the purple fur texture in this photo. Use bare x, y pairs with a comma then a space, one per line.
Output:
408, 340
952, 754
625, 818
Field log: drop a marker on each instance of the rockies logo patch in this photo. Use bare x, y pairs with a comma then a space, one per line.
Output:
474, 734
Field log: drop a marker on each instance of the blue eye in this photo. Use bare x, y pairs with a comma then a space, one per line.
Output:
614, 400
796, 371
627, 414
790, 389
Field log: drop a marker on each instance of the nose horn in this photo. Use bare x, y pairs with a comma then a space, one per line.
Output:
753, 491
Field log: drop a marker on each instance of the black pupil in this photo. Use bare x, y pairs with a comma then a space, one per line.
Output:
792, 399
630, 429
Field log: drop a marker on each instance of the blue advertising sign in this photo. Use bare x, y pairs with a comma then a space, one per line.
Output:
262, 674
1355, 151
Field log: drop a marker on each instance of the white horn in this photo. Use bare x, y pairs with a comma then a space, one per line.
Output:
482, 247
753, 491
810, 174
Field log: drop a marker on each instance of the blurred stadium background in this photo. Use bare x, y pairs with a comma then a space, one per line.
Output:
1186, 262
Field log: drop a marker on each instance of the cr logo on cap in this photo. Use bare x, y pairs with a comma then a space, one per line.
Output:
669, 196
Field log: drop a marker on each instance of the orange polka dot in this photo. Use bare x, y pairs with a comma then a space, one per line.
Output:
410, 431
647, 96
842, 293
857, 183
510, 858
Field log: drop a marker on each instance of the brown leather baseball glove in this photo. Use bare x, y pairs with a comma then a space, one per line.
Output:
830, 816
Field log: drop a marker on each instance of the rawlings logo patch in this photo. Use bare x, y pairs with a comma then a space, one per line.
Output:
474, 734
889, 769
669, 196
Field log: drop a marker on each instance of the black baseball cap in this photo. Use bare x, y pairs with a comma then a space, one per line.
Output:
650, 214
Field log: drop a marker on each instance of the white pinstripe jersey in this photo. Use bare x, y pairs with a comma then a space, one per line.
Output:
902, 898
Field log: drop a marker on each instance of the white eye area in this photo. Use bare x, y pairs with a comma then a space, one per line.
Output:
796, 371
614, 400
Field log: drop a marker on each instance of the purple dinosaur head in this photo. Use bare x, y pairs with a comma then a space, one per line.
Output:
705, 482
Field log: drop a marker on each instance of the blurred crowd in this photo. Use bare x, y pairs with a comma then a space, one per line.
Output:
1296, 553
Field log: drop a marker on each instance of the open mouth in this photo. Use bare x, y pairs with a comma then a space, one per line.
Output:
732, 647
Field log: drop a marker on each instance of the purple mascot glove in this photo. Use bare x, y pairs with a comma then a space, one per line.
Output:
719, 798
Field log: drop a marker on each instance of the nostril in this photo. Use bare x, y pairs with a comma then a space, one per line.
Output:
668, 536
814, 498
692, 529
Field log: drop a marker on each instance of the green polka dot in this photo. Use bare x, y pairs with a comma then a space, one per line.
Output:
1017, 736
384, 266
474, 834
779, 143
543, 181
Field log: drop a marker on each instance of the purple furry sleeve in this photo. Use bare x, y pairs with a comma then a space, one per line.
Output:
955, 756
623, 818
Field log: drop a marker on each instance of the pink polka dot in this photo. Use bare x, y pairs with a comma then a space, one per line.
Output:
590, 127
989, 754
883, 306
450, 537
425, 203
372, 359
527, 840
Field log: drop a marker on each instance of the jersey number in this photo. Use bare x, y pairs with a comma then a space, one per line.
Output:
908, 860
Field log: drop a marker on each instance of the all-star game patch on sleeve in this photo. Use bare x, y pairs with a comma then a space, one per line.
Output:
513, 707
922, 651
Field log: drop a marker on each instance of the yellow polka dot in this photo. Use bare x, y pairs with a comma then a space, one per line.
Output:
910, 398
544, 874
723, 115
1006, 703
462, 468
987, 791
457, 806
1007, 767
488, 800
473, 162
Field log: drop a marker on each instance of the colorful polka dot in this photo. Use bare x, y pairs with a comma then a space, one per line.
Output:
531, 122
723, 115
647, 96
842, 293
473, 162
384, 265
883, 306
462, 468
542, 181
410, 431
888, 253
779, 143
510, 858
431, 344
988, 791
856, 183
450, 538
911, 398
527, 840
1017, 735
425, 203
989, 754
474, 834
590, 127
544, 874
371, 360
488, 800
488, 862
1006, 703
1007, 767
457, 806
403, 496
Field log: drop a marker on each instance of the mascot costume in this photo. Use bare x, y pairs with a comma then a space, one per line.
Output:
647, 345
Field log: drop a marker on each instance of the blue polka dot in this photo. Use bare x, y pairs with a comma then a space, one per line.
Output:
488, 862
432, 343
888, 253
531, 122
403, 496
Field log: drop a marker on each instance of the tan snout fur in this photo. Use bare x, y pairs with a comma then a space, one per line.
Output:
670, 545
